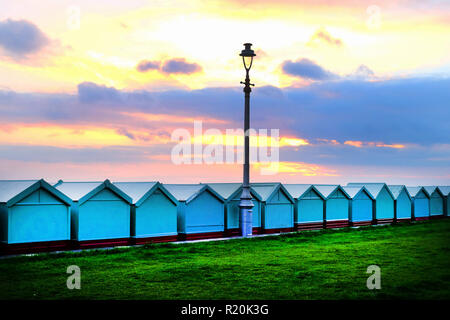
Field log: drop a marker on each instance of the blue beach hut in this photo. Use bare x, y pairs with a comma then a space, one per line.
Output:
360, 206
231, 192
336, 205
384, 201
402, 203
153, 212
277, 211
201, 211
309, 206
445, 190
100, 214
34, 216
420, 203
436, 201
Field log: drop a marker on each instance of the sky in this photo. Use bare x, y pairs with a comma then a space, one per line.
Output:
358, 90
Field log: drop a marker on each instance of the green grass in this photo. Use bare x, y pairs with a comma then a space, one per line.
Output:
328, 264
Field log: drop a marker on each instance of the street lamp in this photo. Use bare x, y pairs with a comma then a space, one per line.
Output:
246, 204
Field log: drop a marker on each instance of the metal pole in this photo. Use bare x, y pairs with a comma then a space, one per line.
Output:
246, 204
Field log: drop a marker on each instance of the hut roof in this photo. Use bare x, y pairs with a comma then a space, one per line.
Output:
81, 191
228, 190
413, 191
13, 191
396, 190
353, 191
140, 191
188, 192
267, 189
374, 188
298, 190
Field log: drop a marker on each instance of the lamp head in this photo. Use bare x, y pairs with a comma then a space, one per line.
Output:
247, 56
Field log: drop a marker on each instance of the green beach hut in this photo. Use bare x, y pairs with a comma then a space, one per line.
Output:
445, 190
200, 211
309, 206
437, 200
402, 203
420, 203
231, 192
384, 201
277, 210
336, 205
34, 216
361, 212
100, 214
153, 212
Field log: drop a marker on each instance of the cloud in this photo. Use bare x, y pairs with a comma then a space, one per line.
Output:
23, 42
322, 36
180, 66
146, 65
363, 71
375, 126
89, 92
390, 112
171, 66
306, 69
125, 132
19, 38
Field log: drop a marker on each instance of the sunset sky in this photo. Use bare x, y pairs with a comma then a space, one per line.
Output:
359, 90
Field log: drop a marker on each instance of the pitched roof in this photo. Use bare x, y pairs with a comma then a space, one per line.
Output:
267, 189
298, 190
136, 190
11, 188
228, 190
13, 191
445, 190
396, 190
188, 192
82, 191
373, 188
76, 190
431, 189
353, 191
140, 191
413, 191
326, 189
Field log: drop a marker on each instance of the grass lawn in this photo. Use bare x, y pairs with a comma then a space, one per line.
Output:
327, 264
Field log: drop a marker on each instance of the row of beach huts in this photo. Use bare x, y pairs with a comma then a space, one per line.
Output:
39, 216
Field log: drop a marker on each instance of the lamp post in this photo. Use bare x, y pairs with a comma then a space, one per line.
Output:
246, 204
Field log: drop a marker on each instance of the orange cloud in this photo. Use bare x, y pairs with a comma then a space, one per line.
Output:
357, 144
171, 118
295, 168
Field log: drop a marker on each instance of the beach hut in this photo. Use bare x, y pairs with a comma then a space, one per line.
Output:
309, 206
201, 211
361, 205
153, 212
420, 203
336, 205
402, 203
445, 190
231, 192
34, 216
436, 201
384, 201
100, 214
277, 210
